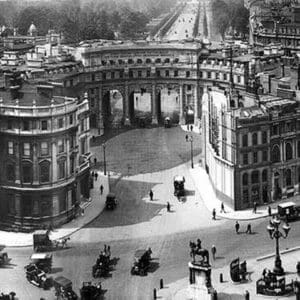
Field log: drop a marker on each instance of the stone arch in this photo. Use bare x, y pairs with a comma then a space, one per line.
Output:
288, 151
44, 171
288, 177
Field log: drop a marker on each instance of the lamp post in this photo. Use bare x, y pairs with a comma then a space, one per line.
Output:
276, 234
190, 139
104, 160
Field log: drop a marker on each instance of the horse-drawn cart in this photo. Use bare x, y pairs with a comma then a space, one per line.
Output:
141, 262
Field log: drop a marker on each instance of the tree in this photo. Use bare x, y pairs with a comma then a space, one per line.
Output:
221, 15
240, 18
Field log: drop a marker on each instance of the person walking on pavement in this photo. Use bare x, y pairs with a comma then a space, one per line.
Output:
186, 138
214, 214
101, 189
168, 207
96, 176
237, 227
151, 195
254, 207
214, 251
222, 208
191, 127
269, 211
249, 229
95, 161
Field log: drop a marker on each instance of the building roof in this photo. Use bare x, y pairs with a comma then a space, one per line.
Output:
249, 112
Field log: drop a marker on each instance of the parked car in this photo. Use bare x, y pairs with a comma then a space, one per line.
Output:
288, 211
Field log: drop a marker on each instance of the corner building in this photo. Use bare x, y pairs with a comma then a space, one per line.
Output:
44, 156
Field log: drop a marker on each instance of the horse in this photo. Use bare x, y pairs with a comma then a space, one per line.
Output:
195, 250
61, 242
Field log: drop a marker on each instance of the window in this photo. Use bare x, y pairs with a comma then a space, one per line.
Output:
45, 206
103, 75
265, 175
139, 73
25, 125
45, 171
27, 205
255, 157
92, 102
26, 149
148, 61
44, 125
112, 75
245, 179
245, 196
158, 73
44, 148
264, 137
225, 76
167, 73
265, 155
245, 159
275, 154
158, 61
27, 173
288, 151
72, 164
10, 147
245, 140
92, 91
275, 129
62, 202
82, 125
148, 73
130, 74
61, 169
9, 124
288, 176
93, 77
200, 74
83, 146
176, 73
130, 61
187, 74
217, 75
239, 79
254, 138
71, 119
254, 177
72, 141
10, 172
208, 75
60, 123
60, 145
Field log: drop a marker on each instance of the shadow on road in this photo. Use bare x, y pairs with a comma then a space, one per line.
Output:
131, 209
56, 270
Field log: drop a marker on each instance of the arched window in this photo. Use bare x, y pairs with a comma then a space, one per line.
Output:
45, 171
120, 61
288, 177
27, 172
176, 60
254, 177
275, 154
148, 61
254, 138
288, 151
158, 61
245, 179
130, 61
112, 62
167, 60
139, 61
265, 175
264, 137
245, 140
10, 172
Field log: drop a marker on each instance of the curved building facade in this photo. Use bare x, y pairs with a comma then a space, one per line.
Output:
44, 157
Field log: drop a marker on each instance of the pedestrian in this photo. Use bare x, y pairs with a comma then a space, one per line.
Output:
108, 250
254, 207
96, 176
101, 189
237, 227
93, 174
105, 248
186, 138
269, 211
188, 127
82, 212
151, 195
168, 206
95, 161
93, 138
191, 127
222, 208
214, 251
214, 214
249, 229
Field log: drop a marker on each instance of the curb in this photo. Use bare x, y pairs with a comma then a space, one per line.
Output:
281, 252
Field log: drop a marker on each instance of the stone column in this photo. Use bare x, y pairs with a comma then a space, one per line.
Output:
100, 112
181, 118
54, 161
18, 205
196, 113
126, 105
154, 104
35, 163
18, 156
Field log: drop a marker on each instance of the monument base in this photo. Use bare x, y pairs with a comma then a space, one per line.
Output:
197, 292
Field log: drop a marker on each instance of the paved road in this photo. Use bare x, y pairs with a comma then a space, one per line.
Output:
139, 223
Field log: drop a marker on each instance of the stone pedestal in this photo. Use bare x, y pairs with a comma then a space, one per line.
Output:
200, 281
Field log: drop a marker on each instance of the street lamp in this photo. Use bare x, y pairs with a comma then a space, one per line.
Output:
190, 139
274, 233
104, 160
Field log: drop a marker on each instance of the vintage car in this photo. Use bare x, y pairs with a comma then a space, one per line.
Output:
37, 277
63, 289
41, 241
4, 260
179, 185
102, 265
111, 201
288, 211
141, 262
90, 291
43, 261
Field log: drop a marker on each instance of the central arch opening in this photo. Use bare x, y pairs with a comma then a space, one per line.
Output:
169, 104
112, 109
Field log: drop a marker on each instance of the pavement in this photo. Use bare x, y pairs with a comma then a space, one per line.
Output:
228, 290
92, 208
